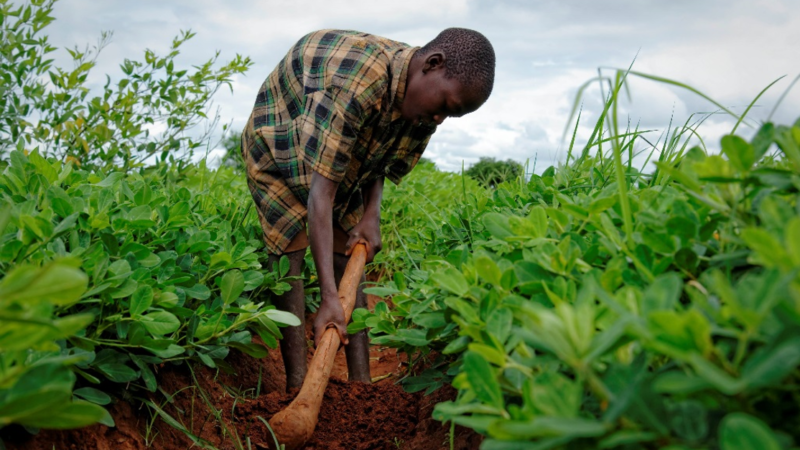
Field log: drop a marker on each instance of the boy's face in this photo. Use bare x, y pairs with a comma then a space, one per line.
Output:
431, 97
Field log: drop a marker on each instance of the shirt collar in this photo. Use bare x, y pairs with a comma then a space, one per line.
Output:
399, 67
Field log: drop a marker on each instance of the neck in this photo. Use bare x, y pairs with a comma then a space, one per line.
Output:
414, 68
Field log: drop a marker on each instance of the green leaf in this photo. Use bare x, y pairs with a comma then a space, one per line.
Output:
159, 323
148, 376
199, 241
427, 380
282, 317
415, 337
141, 300
73, 415
497, 225
538, 218
55, 283
488, 270
498, 324
207, 360
762, 140
689, 419
43, 167
40, 388
198, 291
283, 266
624, 438
5, 217
662, 294
680, 333
490, 354
740, 431
679, 383
482, 379
110, 180
553, 394
739, 152
252, 279
167, 299
716, 376
254, 350
769, 249
170, 351
452, 280
546, 427
117, 372
381, 291
126, 290
231, 286
221, 258
430, 319
93, 395
792, 237
456, 346
66, 224
771, 367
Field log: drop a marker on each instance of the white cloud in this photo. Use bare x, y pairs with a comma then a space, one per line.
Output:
729, 50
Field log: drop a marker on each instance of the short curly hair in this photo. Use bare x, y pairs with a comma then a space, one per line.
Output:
469, 58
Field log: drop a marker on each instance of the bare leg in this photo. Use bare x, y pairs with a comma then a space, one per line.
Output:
293, 344
357, 351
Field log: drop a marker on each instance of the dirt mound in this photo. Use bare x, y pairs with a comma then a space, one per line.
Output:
354, 416
224, 411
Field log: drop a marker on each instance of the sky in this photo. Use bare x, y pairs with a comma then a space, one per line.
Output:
546, 49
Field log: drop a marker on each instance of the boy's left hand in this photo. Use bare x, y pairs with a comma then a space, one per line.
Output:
368, 231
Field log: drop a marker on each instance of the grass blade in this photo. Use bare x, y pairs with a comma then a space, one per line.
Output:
753, 102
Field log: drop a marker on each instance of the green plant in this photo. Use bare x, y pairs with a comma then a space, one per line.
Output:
600, 306
51, 108
170, 259
35, 378
490, 172
278, 446
232, 143
424, 215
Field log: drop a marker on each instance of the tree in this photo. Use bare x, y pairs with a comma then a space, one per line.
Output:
232, 143
490, 172
48, 108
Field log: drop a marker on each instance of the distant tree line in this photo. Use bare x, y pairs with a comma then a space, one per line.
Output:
488, 171
491, 172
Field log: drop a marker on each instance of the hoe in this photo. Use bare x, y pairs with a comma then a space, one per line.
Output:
294, 425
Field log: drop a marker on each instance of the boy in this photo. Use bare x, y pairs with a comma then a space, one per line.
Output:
341, 112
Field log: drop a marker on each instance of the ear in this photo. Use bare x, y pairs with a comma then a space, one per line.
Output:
433, 61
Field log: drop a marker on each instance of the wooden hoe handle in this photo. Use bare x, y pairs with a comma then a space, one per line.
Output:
294, 425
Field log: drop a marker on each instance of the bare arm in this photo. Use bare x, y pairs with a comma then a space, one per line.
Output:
368, 230
320, 233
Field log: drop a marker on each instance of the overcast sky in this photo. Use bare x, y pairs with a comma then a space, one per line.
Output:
728, 49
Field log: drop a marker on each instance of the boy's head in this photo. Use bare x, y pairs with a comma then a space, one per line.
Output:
450, 76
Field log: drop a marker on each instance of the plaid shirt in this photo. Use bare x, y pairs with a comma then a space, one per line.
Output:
331, 106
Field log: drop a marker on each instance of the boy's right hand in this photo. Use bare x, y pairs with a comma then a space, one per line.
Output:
330, 314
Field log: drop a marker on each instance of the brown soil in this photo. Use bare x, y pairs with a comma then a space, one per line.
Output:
354, 416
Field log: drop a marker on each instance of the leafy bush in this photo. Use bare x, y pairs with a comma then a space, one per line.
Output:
597, 306
49, 107
232, 143
422, 216
171, 260
107, 268
490, 172
36, 387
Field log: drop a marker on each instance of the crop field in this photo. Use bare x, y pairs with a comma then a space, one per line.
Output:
637, 295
